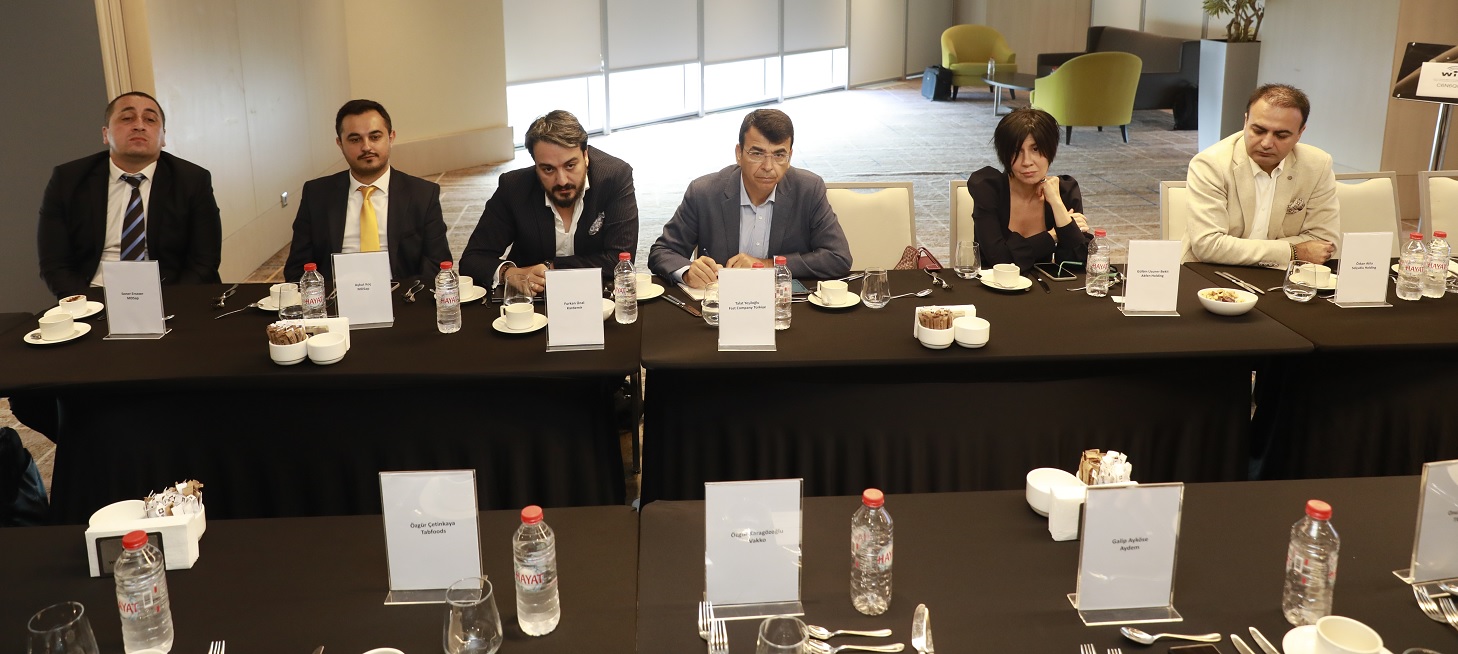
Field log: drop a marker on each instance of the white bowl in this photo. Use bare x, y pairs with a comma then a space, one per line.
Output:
1246, 303
326, 347
385, 650
1040, 483
936, 339
608, 307
288, 355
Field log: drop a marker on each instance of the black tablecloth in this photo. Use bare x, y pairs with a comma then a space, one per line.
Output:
206, 402
290, 585
1374, 397
995, 582
851, 399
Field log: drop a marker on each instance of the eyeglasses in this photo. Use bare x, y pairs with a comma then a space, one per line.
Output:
756, 155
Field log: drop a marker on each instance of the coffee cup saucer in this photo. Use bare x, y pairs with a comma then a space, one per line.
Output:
1302, 640
34, 337
267, 304
653, 291
1020, 284
851, 299
474, 293
538, 321
92, 308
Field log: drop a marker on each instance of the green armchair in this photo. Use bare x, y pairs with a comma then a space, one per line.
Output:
1095, 89
966, 49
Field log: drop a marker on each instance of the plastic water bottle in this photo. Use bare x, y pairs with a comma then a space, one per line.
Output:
1412, 268
1435, 282
871, 553
311, 289
1311, 566
784, 290
538, 609
625, 290
1098, 265
141, 595
447, 299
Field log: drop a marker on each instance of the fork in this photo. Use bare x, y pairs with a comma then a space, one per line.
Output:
706, 615
253, 305
1087, 648
718, 638
226, 294
937, 279
1426, 603
216, 647
1114, 650
1450, 611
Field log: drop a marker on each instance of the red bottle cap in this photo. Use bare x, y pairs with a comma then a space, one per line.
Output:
780, 260
1100, 233
135, 540
309, 267
1415, 236
1318, 509
624, 256
1440, 234
531, 515
759, 264
873, 498
445, 265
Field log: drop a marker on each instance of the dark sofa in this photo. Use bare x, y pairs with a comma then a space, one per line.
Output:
1171, 74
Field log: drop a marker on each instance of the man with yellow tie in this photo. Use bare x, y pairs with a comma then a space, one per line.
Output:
370, 207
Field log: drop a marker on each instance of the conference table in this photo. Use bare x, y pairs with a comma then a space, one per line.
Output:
289, 585
850, 399
994, 581
206, 402
1373, 398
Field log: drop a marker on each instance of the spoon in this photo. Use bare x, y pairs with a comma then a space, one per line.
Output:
226, 294
825, 634
1141, 637
921, 293
250, 306
822, 647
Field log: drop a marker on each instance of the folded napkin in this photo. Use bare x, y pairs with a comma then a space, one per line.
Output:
696, 293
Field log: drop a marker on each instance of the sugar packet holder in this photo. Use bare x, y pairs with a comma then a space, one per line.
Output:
176, 516
956, 310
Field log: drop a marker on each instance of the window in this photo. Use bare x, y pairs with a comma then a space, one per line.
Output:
813, 72
651, 94
741, 82
583, 96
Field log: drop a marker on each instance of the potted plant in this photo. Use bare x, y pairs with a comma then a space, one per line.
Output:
1229, 67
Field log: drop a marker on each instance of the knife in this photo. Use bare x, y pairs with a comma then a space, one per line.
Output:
921, 639
1260, 639
1039, 278
1240, 282
682, 305
1240, 645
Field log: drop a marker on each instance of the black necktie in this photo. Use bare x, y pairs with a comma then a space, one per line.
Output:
134, 223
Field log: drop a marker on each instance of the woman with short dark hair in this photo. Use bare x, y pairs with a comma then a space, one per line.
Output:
1021, 214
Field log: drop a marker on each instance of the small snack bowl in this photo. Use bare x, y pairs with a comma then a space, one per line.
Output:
936, 339
1040, 484
1227, 301
327, 348
971, 331
288, 355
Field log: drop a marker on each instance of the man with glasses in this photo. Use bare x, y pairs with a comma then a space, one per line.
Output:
751, 212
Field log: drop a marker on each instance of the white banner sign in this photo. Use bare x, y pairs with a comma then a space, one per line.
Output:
1364, 268
133, 299
1153, 280
1130, 537
1439, 80
431, 537
752, 541
574, 309
747, 309
362, 281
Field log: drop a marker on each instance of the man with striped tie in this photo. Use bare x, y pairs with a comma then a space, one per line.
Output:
132, 202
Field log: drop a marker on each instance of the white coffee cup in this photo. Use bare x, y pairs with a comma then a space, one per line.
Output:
57, 326
643, 280
1005, 274
74, 305
1320, 275
1341, 635
467, 284
832, 292
284, 295
329, 346
971, 331
518, 316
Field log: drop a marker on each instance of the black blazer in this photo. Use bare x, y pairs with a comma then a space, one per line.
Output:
415, 231
991, 210
517, 217
184, 230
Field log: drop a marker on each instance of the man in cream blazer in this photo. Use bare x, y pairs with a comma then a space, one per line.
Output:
1258, 197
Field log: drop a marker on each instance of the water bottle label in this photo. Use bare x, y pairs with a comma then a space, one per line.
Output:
860, 539
530, 578
314, 302
138, 605
447, 300
1098, 267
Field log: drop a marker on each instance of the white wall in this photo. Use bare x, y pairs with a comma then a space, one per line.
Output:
1179, 19
877, 40
925, 22
1117, 13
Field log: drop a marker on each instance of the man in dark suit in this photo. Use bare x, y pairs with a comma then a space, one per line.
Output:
752, 211
132, 202
370, 207
588, 218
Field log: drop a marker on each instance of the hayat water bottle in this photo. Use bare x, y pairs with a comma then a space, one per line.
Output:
871, 554
538, 608
141, 595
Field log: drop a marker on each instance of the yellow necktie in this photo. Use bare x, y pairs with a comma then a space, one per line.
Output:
369, 226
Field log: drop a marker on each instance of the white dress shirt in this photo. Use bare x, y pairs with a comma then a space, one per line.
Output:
118, 195
1260, 225
379, 199
565, 236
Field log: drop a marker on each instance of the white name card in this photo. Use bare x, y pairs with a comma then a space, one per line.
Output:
574, 310
1127, 555
431, 537
1434, 556
752, 541
1438, 79
1153, 284
747, 309
1365, 257
133, 299
362, 280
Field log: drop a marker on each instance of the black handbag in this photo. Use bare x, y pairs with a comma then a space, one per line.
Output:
936, 83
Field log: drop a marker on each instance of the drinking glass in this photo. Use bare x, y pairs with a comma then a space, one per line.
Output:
967, 260
875, 288
473, 626
290, 303
61, 629
1300, 284
517, 290
782, 634
710, 304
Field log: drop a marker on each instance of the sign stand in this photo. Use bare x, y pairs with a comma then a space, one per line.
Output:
1434, 561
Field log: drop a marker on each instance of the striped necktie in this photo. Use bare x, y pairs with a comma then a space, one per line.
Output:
134, 223
369, 225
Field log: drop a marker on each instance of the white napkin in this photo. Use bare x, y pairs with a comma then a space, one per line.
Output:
1067, 502
696, 293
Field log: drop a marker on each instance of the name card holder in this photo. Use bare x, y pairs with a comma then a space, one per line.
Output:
1434, 559
574, 310
133, 300
1127, 555
1152, 285
1363, 280
746, 310
431, 533
362, 289
752, 536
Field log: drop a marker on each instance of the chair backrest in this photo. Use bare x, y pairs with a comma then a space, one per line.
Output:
1093, 89
1174, 210
972, 44
960, 222
1438, 197
1368, 203
879, 224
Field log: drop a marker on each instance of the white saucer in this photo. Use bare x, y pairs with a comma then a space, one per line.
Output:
652, 291
971, 346
92, 308
538, 321
1302, 640
266, 304
1022, 284
1331, 283
1452, 268
851, 299
34, 336
476, 293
